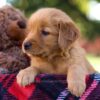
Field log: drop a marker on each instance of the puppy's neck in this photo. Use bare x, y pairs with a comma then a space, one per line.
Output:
56, 56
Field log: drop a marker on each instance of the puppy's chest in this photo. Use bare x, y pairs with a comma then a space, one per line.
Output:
60, 67
54, 67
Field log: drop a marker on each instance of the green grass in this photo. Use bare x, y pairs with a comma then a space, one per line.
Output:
95, 61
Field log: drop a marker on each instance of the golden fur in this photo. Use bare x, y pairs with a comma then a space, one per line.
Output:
54, 49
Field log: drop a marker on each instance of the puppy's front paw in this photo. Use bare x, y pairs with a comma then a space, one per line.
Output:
76, 87
25, 77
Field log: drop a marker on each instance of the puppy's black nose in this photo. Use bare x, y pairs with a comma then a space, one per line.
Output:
21, 24
27, 45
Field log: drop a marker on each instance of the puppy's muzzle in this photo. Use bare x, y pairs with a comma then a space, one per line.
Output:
27, 45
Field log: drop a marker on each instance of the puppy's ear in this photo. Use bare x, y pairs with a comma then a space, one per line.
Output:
68, 33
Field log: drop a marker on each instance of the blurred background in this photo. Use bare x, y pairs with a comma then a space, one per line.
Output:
86, 14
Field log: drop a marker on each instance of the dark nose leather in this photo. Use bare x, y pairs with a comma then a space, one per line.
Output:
27, 45
21, 24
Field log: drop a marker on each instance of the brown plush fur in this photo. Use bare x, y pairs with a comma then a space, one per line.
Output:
12, 33
52, 44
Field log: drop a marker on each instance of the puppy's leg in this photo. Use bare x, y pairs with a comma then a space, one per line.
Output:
26, 76
76, 80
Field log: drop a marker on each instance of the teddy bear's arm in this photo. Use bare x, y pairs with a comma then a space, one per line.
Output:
5, 60
11, 63
4, 65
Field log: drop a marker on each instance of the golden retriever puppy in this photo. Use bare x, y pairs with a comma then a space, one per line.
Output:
52, 44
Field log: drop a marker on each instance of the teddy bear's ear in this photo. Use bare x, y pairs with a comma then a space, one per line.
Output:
1, 17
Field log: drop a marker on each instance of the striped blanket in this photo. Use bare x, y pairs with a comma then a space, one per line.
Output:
47, 87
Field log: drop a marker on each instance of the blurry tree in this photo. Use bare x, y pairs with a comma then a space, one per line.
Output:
77, 9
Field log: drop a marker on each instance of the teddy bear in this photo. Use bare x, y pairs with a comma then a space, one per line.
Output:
12, 34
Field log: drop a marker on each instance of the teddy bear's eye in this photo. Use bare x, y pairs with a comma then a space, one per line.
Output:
13, 17
45, 33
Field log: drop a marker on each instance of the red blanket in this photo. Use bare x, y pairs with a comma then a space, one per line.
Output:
47, 87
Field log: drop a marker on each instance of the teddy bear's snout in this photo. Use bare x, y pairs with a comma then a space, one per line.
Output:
21, 24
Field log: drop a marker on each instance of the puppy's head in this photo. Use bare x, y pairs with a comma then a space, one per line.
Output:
49, 31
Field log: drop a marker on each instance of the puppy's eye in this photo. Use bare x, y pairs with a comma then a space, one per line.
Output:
45, 33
